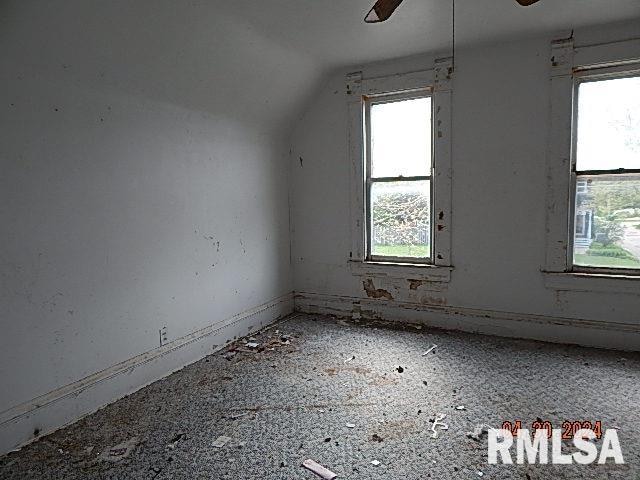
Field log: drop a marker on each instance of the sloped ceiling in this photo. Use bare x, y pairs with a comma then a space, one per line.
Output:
333, 31
190, 54
268, 55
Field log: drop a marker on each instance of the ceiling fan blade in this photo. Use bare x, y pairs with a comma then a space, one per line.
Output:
526, 3
382, 10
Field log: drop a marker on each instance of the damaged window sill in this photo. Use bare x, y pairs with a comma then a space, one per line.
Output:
432, 273
592, 282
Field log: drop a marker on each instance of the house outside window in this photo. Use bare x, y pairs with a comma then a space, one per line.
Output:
593, 168
607, 172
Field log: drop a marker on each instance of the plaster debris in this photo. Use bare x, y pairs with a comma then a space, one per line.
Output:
431, 349
478, 432
252, 345
157, 413
221, 441
353, 357
480, 474
229, 355
351, 425
319, 469
375, 463
238, 415
461, 408
174, 441
437, 422
120, 451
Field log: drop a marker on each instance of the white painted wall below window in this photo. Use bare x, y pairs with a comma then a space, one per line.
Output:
500, 132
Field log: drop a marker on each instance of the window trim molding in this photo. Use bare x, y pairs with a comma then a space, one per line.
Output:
439, 80
569, 66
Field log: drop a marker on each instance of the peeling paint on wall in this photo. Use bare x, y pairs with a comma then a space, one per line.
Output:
415, 284
373, 292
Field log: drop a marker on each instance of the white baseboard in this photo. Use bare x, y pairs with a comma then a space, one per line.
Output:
619, 336
69, 403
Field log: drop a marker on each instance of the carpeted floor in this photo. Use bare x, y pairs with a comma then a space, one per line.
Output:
301, 394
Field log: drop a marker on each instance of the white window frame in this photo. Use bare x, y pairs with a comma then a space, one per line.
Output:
436, 83
369, 101
571, 65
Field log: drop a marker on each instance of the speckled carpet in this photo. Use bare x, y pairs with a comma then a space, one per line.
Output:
345, 395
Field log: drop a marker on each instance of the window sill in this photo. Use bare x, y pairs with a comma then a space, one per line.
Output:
432, 273
592, 282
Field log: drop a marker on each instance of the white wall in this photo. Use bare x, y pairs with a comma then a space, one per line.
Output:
135, 136
143, 183
500, 130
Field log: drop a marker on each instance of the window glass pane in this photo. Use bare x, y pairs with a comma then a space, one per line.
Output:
607, 221
401, 138
400, 215
609, 124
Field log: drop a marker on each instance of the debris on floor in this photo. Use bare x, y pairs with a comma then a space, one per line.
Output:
235, 416
375, 463
437, 422
120, 451
221, 441
461, 408
400, 369
174, 441
319, 470
351, 359
478, 432
265, 398
230, 354
260, 344
431, 349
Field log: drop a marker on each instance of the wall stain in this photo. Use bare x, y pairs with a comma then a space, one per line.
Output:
428, 300
415, 284
373, 292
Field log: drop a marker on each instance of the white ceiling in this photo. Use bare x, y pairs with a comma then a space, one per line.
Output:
333, 31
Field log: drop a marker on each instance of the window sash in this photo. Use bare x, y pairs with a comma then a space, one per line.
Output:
581, 77
369, 101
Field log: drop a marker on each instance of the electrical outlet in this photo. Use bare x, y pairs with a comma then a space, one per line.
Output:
163, 335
